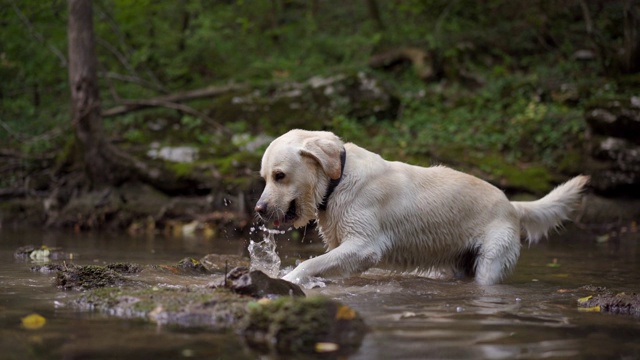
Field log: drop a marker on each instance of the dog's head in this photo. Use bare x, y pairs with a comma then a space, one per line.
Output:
297, 168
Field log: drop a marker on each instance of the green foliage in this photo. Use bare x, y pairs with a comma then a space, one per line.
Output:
519, 55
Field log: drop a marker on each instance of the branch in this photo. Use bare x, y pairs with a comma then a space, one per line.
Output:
131, 79
587, 17
176, 106
136, 105
38, 36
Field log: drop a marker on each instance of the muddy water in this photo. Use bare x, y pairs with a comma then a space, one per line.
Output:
532, 315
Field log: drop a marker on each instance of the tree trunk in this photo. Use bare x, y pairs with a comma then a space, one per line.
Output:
631, 60
85, 97
104, 163
374, 12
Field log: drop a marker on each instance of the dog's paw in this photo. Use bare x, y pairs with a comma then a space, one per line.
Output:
294, 276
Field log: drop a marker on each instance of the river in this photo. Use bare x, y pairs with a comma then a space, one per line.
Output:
532, 315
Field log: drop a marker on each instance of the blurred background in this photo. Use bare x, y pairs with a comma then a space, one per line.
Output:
147, 116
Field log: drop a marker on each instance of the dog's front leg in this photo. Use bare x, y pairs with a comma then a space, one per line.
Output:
348, 258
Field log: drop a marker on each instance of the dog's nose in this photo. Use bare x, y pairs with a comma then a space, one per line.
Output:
261, 207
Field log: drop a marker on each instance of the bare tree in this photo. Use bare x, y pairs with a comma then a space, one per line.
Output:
85, 96
104, 163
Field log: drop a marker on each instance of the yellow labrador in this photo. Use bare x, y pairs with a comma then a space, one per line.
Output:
372, 212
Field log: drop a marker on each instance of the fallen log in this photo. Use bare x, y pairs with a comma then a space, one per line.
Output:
172, 99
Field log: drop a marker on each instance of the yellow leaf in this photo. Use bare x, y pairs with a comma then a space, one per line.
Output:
590, 309
264, 301
33, 321
345, 313
326, 347
584, 299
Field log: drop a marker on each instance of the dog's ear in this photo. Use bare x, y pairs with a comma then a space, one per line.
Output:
326, 152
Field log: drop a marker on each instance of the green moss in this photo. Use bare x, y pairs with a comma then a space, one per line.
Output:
88, 277
534, 178
181, 168
297, 324
572, 162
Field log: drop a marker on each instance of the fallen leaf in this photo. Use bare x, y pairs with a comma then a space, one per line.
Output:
33, 321
326, 347
584, 299
345, 313
590, 309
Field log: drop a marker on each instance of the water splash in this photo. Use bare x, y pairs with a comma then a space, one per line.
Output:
263, 254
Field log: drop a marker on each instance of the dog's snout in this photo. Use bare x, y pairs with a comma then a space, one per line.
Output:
261, 207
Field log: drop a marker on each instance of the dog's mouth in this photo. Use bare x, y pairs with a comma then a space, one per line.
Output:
289, 216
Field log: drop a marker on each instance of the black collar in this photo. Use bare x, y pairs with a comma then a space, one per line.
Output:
333, 182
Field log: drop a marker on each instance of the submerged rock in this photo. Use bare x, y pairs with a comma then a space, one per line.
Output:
190, 307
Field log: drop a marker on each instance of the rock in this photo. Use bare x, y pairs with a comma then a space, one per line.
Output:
616, 119
190, 307
621, 303
297, 325
192, 265
614, 148
258, 284
614, 166
39, 253
84, 277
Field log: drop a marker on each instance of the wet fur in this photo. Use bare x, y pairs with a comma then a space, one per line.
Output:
399, 216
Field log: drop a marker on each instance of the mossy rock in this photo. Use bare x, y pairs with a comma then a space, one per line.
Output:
624, 304
307, 325
84, 277
217, 309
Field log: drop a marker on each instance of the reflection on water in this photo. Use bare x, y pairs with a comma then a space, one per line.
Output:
532, 315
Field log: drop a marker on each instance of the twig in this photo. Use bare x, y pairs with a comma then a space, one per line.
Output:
587, 17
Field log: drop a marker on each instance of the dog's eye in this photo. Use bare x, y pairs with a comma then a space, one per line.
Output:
279, 176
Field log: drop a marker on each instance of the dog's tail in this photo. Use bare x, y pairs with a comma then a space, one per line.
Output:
537, 217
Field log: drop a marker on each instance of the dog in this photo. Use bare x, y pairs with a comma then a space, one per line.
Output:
376, 213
